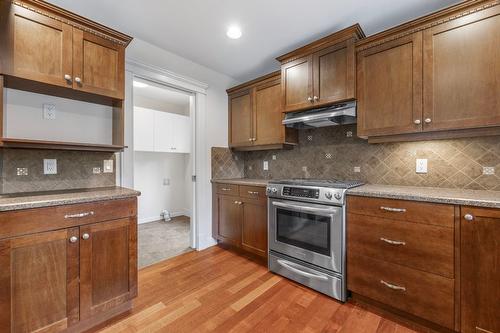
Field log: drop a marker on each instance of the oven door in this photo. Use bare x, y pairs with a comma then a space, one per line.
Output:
309, 232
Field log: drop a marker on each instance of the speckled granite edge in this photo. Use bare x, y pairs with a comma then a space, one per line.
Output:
490, 199
47, 200
242, 181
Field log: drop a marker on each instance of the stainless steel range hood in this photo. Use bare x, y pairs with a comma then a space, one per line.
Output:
338, 114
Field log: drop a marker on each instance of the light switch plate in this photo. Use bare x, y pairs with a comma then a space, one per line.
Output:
96, 171
488, 171
49, 166
357, 169
265, 165
108, 166
421, 166
22, 171
49, 111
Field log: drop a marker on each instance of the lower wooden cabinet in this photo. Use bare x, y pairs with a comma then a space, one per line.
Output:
240, 217
480, 269
70, 278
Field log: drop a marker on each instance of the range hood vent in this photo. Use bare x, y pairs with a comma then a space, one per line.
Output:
338, 114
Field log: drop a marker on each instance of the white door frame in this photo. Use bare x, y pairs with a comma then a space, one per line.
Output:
198, 90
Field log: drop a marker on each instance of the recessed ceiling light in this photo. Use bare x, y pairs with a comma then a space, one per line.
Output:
138, 84
233, 32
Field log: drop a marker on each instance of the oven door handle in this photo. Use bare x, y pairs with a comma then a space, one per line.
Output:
305, 208
288, 265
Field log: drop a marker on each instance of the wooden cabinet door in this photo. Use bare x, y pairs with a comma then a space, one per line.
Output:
461, 72
334, 74
144, 127
240, 119
42, 48
254, 227
268, 114
297, 84
98, 65
480, 270
230, 215
108, 265
389, 87
39, 282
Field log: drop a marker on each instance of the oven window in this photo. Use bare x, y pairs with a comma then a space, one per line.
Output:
304, 230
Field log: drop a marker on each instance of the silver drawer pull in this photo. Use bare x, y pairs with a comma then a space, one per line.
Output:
393, 242
390, 209
78, 215
225, 189
253, 192
392, 286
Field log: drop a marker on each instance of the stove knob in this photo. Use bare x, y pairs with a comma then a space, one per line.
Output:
274, 190
338, 196
328, 195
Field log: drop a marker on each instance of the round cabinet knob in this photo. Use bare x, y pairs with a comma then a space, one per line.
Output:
417, 122
469, 217
338, 196
85, 236
328, 195
315, 98
428, 120
67, 77
309, 99
73, 239
78, 80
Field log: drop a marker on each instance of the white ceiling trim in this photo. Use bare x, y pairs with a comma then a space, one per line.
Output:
164, 76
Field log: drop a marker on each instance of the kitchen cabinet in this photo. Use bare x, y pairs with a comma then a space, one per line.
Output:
67, 267
255, 116
321, 73
389, 89
480, 269
158, 131
432, 78
75, 53
240, 217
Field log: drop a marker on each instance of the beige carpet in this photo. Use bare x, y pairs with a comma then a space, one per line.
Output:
161, 240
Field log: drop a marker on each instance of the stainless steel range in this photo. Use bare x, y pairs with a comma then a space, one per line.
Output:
307, 232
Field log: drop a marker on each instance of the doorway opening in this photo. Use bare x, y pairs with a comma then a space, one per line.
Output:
163, 168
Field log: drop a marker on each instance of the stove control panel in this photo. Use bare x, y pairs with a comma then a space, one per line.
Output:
301, 192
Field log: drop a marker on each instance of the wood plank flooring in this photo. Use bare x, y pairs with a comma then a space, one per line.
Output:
216, 290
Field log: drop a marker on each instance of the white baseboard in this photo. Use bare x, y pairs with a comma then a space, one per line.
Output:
184, 212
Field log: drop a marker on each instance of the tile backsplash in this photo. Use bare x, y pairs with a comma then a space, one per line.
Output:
336, 152
74, 170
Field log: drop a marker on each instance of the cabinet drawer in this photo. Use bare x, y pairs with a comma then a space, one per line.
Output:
412, 211
421, 246
253, 192
30, 221
227, 189
422, 294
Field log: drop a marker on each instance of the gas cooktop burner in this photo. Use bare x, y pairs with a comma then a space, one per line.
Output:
330, 183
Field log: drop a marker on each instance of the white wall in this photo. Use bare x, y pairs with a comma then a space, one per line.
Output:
150, 170
76, 121
211, 127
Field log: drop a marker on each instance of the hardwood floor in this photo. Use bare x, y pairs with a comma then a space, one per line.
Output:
217, 290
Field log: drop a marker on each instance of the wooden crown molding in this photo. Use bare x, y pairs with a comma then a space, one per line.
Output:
353, 31
260, 80
74, 20
425, 22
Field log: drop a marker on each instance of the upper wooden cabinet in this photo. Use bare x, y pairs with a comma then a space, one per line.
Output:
255, 115
435, 77
321, 73
44, 44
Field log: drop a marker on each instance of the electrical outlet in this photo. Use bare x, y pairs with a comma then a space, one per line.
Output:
49, 166
265, 165
96, 171
274, 157
357, 169
49, 111
22, 171
166, 181
250, 167
488, 171
421, 166
108, 166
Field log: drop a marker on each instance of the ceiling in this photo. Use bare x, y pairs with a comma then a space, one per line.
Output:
196, 29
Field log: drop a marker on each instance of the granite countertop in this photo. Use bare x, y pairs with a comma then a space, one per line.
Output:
430, 194
18, 201
242, 181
